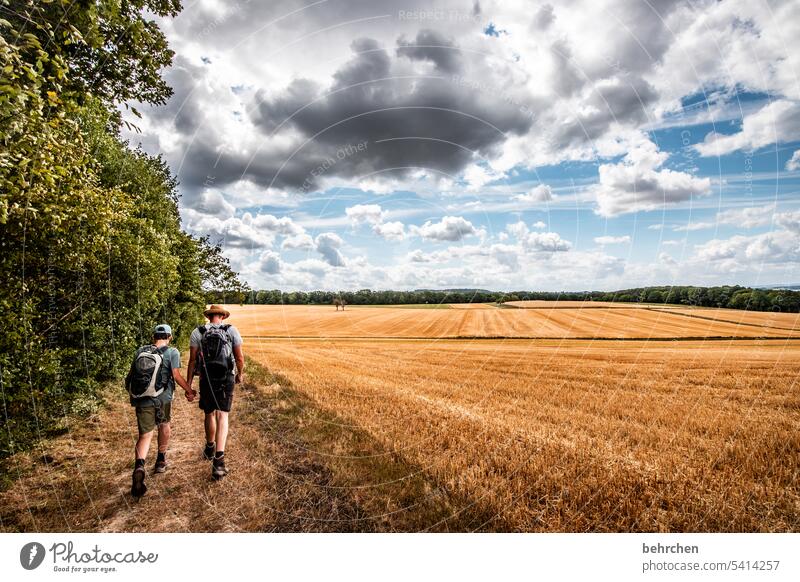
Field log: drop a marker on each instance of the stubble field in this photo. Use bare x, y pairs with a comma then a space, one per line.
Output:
478, 419
561, 434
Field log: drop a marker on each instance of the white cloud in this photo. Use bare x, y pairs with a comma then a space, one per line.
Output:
750, 217
517, 229
794, 162
300, 241
692, 226
450, 228
230, 232
268, 222
741, 253
477, 176
612, 240
777, 122
667, 259
539, 193
636, 183
213, 203
545, 242
789, 221
539, 225
390, 230
365, 214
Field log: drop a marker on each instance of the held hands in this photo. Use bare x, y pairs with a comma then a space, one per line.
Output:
190, 395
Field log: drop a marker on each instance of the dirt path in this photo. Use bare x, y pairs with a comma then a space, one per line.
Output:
294, 467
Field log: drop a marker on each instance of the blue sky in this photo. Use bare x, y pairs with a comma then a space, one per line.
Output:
501, 145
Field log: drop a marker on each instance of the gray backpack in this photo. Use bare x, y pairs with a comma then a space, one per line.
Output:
148, 377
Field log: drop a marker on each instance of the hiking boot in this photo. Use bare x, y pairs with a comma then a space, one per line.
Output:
218, 470
208, 452
138, 488
161, 467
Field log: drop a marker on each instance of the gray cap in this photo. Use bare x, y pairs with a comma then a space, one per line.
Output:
162, 328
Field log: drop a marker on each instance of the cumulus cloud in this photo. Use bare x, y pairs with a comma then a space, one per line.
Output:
539, 193
778, 122
545, 242
750, 217
390, 230
213, 203
667, 259
740, 253
612, 240
794, 162
299, 241
365, 214
637, 183
449, 228
328, 244
789, 221
271, 263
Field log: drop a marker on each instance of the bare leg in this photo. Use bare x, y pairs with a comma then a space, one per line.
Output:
164, 432
143, 444
222, 429
211, 427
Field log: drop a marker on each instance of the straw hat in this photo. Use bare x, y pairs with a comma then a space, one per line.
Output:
217, 310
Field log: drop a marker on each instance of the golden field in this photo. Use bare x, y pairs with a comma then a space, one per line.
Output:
382, 419
562, 434
484, 321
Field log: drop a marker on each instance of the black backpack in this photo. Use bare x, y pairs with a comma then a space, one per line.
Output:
215, 357
148, 376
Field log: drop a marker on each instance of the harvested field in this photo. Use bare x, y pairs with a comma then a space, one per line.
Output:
785, 321
488, 322
577, 435
378, 421
542, 304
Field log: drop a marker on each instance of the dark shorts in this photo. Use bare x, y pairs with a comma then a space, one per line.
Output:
217, 395
148, 417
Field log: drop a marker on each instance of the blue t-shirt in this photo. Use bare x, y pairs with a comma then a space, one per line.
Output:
171, 360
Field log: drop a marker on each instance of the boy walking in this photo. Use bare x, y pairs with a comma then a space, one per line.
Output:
216, 356
150, 384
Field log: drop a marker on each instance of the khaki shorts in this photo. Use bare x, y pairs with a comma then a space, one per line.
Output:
146, 417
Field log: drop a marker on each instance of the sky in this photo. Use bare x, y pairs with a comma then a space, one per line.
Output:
503, 145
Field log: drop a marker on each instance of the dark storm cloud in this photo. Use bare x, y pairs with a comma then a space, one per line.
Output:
428, 122
434, 47
626, 102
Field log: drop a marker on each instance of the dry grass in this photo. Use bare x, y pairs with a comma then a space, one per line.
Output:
298, 321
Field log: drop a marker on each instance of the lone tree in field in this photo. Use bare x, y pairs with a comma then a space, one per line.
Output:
337, 301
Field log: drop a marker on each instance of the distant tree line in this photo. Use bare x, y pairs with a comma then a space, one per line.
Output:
91, 248
728, 296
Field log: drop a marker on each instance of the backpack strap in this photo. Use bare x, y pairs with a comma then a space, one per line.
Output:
225, 326
202, 330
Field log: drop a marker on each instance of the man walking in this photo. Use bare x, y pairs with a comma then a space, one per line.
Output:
150, 384
216, 356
